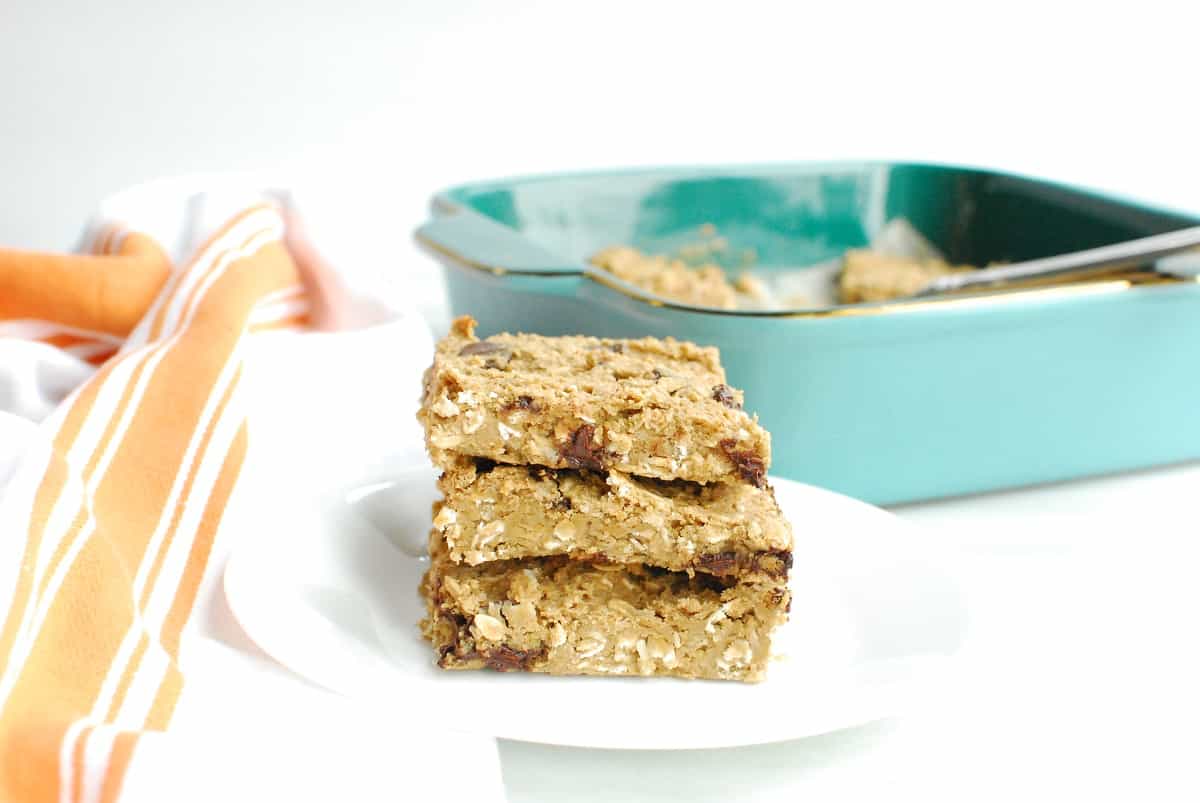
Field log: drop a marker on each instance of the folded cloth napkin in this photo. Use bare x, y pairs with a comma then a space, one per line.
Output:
123, 431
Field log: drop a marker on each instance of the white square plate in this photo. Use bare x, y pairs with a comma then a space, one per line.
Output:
318, 585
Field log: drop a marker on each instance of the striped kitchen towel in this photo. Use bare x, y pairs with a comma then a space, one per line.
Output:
108, 519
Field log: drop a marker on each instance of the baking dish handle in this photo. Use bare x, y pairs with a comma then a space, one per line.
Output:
480, 242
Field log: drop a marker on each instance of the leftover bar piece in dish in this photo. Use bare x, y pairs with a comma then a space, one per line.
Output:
673, 278
702, 286
493, 511
873, 276
655, 408
566, 617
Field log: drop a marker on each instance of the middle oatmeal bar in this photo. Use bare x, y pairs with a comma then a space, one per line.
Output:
656, 408
494, 512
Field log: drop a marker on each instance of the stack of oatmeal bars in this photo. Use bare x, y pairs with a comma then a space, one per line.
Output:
605, 510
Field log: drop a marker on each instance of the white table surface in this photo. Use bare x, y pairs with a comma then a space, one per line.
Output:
1078, 678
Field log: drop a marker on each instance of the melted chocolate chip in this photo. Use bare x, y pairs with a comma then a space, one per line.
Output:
482, 347
750, 465
483, 465
505, 659
718, 563
579, 451
619, 348
724, 394
712, 582
562, 503
774, 563
459, 623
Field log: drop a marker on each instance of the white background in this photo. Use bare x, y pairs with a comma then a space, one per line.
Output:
1080, 678
96, 96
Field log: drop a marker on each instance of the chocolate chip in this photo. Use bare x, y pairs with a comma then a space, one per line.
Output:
724, 394
503, 660
579, 451
483, 465
718, 563
521, 403
712, 582
458, 624
562, 503
506, 659
774, 562
482, 347
619, 348
750, 465
657, 374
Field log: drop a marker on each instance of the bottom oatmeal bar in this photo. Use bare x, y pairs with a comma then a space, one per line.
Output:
566, 617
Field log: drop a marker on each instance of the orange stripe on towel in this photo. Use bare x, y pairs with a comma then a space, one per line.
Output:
146, 456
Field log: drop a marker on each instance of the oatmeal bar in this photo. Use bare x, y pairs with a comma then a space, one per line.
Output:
872, 276
657, 408
702, 286
494, 512
566, 617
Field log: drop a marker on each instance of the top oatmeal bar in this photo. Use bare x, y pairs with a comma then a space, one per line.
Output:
653, 408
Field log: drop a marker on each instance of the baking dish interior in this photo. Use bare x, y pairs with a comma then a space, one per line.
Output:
793, 216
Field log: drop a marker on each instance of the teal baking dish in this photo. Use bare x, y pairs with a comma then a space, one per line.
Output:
888, 402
